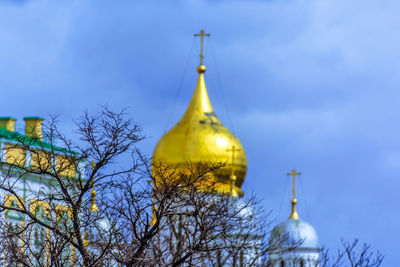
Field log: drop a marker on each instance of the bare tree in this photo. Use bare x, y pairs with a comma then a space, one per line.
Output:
48, 186
163, 217
353, 255
144, 214
184, 221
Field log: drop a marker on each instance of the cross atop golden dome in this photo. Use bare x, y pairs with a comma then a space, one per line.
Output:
199, 137
294, 214
201, 34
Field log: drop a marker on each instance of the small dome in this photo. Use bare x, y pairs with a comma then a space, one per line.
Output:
294, 232
199, 137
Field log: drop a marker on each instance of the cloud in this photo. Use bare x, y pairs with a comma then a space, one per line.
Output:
14, 2
309, 84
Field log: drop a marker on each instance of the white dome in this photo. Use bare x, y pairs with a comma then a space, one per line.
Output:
294, 232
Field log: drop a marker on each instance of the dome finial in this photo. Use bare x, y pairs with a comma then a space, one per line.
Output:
93, 205
294, 214
201, 68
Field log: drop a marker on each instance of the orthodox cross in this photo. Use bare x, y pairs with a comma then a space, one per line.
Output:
233, 150
233, 176
293, 174
201, 34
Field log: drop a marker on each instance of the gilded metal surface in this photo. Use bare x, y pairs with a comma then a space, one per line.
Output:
294, 214
199, 137
202, 34
93, 205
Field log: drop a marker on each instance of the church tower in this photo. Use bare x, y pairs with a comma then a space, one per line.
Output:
199, 137
200, 140
293, 242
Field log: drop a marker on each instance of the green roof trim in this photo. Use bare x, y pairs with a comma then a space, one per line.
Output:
29, 118
7, 118
31, 141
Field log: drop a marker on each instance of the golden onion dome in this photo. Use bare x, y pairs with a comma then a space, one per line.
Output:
199, 137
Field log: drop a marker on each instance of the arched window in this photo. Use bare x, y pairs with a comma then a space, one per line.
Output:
38, 246
282, 263
302, 263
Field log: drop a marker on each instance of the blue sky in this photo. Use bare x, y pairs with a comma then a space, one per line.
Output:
311, 85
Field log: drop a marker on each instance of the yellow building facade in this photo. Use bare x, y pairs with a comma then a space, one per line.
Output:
25, 160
